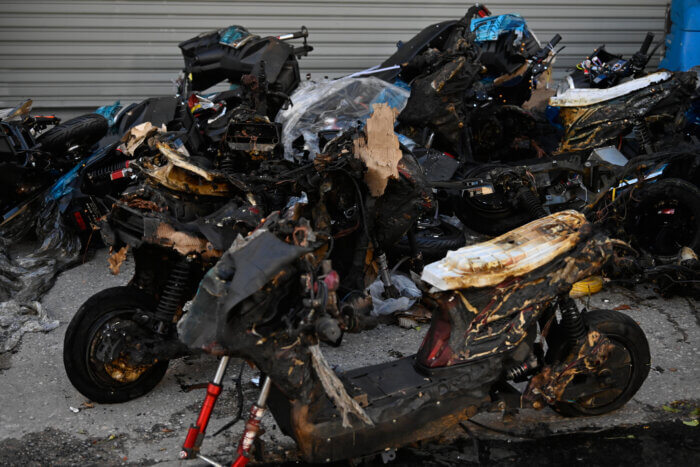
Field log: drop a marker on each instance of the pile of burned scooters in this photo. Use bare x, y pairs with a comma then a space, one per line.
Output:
279, 214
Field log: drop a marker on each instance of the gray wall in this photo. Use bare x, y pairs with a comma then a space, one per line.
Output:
74, 55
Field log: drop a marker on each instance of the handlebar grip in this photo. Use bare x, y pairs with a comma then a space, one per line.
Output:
555, 40
647, 43
295, 35
553, 43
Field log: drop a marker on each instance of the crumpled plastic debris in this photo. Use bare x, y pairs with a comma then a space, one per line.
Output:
17, 319
139, 134
26, 278
385, 306
333, 105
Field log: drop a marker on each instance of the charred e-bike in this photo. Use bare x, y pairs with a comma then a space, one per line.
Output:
500, 313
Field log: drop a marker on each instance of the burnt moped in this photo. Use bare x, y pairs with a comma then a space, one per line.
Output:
500, 313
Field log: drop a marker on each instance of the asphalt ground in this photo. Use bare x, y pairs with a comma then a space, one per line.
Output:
39, 424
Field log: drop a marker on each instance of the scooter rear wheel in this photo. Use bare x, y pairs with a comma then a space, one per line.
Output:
434, 241
85, 130
621, 375
666, 217
116, 381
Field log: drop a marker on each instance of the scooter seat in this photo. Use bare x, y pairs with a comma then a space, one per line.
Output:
581, 97
512, 254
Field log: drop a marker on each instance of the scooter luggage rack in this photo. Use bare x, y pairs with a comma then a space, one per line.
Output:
195, 435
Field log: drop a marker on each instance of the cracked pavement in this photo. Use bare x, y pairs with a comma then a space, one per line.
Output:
37, 425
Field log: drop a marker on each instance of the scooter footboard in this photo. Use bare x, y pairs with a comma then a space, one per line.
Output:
404, 404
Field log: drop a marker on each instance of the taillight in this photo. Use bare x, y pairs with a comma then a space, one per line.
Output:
435, 350
79, 221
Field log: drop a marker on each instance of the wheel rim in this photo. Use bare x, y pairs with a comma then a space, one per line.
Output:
117, 373
594, 392
434, 229
494, 203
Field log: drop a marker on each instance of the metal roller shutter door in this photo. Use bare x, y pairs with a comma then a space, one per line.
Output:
76, 55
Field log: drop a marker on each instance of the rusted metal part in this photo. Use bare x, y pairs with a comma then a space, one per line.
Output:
116, 259
253, 134
176, 178
548, 386
183, 242
172, 169
513, 254
416, 314
123, 371
143, 204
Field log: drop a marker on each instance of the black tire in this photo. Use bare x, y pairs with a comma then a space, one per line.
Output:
666, 217
433, 242
488, 214
631, 344
91, 377
85, 130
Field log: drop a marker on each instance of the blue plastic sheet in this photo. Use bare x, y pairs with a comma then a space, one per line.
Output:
489, 28
109, 112
233, 35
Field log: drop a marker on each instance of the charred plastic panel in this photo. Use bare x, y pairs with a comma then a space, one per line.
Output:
470, 324
589, 123
437, 101
427, 406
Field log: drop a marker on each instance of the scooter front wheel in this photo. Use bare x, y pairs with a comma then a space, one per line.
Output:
613, 384
118, 380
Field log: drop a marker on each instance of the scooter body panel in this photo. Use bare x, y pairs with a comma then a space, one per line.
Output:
404, 403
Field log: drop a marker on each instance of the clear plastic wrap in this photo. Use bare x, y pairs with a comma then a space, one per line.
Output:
385, 306
333, 105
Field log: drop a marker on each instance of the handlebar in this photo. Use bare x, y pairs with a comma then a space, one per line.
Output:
538, 61
303, 32
555, 40
644, 49
548, 48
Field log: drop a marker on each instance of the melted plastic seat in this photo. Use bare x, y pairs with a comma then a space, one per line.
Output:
512, 254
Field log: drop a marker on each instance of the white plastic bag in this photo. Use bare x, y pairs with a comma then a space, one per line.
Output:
386, 306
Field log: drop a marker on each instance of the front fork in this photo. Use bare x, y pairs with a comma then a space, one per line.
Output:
195, 435
252, 426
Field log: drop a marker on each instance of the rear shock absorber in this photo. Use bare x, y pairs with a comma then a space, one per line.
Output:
530, 202
111, 172
521, 371
171, 297
571, 319
641, 133
227, 165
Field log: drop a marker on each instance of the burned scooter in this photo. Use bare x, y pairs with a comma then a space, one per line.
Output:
490, 303
186, 213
